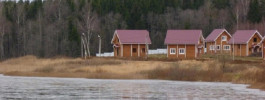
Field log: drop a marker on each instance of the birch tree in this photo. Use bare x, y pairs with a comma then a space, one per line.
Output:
87, 25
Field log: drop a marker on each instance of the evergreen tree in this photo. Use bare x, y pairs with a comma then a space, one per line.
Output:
254, 13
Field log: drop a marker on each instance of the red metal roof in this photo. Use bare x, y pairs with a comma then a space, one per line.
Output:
243, 36
183, 36
133, 36
215, 34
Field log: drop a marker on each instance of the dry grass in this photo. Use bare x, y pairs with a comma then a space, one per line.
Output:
91, 68
221, 70
212, 71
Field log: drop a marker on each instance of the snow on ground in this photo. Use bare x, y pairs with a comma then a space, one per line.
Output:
27, 88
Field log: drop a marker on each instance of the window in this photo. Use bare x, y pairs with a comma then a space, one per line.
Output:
143, 50
172, 50
238, 46
224, 38
181, 51
226, 47
218, 47
211, 47
255, 40
134, 50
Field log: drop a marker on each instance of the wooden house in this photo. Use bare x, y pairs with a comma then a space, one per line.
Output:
217, 42
245, 42
184, 44
130, 43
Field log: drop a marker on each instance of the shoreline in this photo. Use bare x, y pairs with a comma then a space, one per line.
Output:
238, 72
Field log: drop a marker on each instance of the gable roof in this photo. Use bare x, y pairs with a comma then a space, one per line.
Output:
243, 36
183, 37
132, 36
261, 40
215, 34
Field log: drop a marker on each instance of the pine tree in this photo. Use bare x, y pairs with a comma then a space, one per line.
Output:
254, 13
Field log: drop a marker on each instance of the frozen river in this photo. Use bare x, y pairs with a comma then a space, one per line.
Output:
32, 88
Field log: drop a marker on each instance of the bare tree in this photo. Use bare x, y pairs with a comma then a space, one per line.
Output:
4, 29
87, 25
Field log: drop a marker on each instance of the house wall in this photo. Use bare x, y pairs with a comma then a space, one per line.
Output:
263, 50
208, 47
221, 43
190, 52
116, 41
251, 42
126, 50
142, 53
201, 52
240, 49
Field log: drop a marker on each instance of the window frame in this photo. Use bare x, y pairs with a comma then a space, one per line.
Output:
211, 47
218, 48
255, 39
229, 47
134, 50
172, 53
225, 39
143, 50
182, 53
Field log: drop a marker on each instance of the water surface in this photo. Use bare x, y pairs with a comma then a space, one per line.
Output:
36, 88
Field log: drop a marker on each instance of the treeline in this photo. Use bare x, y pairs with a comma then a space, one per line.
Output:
53, 27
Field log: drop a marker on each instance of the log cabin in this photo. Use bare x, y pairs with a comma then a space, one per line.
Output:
217, 42
184, 44
131, 43
245, 42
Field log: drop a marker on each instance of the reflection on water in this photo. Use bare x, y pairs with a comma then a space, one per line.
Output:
27, 88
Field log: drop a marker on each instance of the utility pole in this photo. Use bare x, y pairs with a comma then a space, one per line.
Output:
99, 47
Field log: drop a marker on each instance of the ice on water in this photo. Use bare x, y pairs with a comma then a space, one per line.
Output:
26, 88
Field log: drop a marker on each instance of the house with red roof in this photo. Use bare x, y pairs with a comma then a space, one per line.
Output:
217, 42
130, 43
245, 42
184, 44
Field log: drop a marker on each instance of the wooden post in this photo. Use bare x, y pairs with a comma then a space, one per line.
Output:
99, 50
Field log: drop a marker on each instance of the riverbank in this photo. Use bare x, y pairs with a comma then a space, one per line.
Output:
210, 70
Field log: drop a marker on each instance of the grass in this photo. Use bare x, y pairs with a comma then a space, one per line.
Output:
218, 69
158, 56
45, 69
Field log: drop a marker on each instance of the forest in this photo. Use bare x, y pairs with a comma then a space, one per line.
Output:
54, 27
